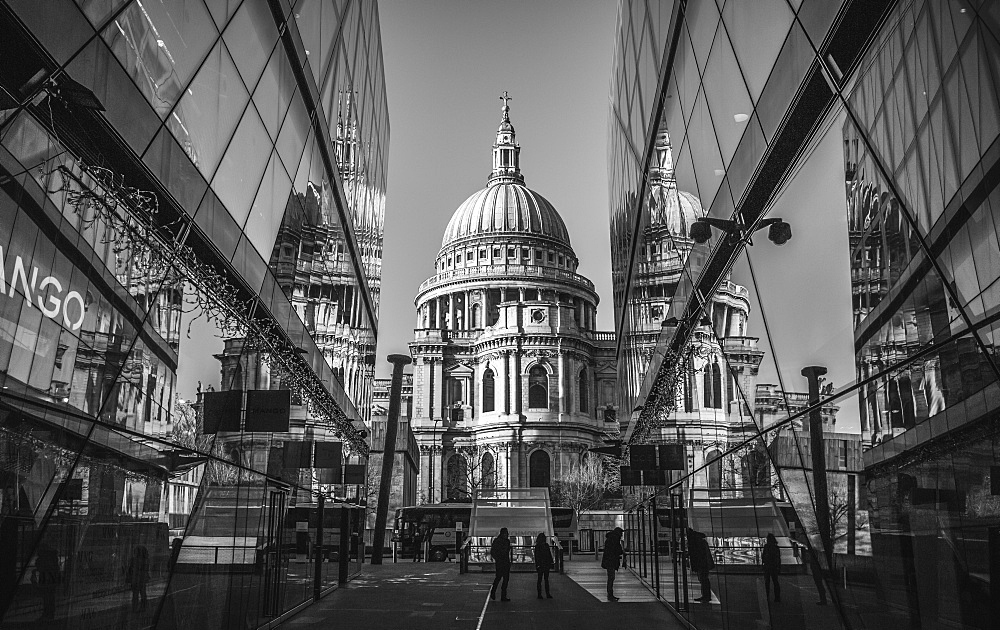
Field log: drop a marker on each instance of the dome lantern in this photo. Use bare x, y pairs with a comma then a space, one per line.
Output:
506, 153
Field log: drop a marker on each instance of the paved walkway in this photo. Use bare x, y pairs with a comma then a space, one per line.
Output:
434, 596
592, 578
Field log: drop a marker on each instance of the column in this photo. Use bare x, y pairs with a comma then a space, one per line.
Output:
439, 400
466, 311
506, 383
561, 366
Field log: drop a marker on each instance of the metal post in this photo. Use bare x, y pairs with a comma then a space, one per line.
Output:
674, 547
318, 554
388, 454
656, 548
852, 511
817, 447
345, 545
641, 517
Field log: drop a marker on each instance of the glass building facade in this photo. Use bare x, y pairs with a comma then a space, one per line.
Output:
192, 199
870, 128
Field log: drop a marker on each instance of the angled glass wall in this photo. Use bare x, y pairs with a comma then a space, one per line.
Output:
869, 128
192, 200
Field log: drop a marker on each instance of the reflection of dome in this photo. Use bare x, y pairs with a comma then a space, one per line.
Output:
669, 207
504, 208
673, 209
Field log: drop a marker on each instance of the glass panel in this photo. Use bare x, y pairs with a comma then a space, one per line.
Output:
161, 46
243, 165
204, 120
250, 37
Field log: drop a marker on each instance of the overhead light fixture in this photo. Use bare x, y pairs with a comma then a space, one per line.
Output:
700, 231
779, 232
719, 172
741, 117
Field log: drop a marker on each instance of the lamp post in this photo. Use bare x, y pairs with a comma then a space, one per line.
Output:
388, 453
430, 486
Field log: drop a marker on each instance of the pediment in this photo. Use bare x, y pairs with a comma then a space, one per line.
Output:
459, 369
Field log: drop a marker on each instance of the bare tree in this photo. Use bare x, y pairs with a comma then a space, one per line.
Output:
839, 512
583, 487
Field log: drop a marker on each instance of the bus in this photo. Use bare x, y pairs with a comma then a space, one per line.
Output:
440, 519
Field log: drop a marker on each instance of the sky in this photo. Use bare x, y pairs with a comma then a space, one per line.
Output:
446, 64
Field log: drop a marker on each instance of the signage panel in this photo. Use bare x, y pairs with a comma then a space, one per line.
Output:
222, 411
268, 410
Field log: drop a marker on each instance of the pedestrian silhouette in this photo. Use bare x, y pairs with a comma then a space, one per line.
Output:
701, 562
817, 573
612, 558
503, 556
48, 579
137, 575
771, 559
543, 563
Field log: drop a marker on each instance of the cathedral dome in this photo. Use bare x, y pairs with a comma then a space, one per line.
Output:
505, 207
673, 209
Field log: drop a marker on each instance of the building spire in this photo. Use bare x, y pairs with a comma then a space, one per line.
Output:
506, 152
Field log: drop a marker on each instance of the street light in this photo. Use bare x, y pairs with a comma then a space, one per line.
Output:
779, 232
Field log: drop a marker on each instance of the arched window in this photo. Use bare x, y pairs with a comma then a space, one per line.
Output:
714, 460
489, 387
474, 320
457, 486
455, 393
489, 470
584, 386
706, 387
539, 475
689, 393
237, 377
538, 388
717, 385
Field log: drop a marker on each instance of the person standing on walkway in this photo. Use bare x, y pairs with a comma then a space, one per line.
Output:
771, 559
701, 562
611, 560
543, 563
137, 575
503, 556
817, 573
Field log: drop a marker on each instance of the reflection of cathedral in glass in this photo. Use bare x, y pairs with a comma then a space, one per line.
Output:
313, 263
709, 414
512, 382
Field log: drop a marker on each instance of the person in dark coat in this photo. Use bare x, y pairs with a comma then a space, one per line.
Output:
817, 573
137, 575
543, 563
503, 555
770, 557
701, 562
47, 566
611, 560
